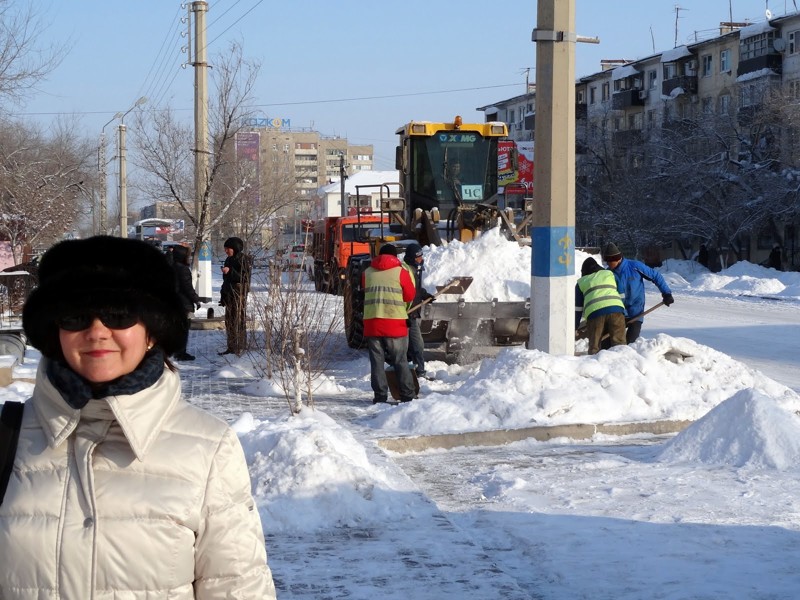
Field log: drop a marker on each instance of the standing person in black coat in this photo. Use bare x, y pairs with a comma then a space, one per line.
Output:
186, 291
416, 345
235, 285
775, 261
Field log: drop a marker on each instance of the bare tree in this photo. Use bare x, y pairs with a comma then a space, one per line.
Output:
298, 334
24, 59
45, 182
165, 148
718, 177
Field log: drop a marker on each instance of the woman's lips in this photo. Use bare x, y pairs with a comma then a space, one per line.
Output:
98, 353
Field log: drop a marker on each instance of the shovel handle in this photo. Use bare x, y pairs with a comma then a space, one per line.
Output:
432, 298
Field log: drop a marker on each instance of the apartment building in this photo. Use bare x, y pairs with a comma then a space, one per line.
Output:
313, 158
724, 79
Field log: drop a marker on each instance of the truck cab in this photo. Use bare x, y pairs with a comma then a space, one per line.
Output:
335, 240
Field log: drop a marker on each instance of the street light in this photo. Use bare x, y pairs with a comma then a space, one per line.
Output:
123, 184
101, 167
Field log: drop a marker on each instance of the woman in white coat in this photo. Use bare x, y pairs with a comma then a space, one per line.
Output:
120, 488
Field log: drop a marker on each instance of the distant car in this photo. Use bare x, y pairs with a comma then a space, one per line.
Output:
295, 257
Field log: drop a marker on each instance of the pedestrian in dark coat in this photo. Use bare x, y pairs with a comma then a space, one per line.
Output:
416, 345
186, 292
233, 295
702, 256
774, 261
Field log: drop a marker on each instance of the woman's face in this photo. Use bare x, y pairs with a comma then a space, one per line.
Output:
101, 354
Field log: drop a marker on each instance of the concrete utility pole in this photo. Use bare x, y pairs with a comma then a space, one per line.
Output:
200, 65
342, 179
553, 237
123, 171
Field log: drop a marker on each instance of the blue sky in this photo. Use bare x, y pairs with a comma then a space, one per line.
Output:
355, 68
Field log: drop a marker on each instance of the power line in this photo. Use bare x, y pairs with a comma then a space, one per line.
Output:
387, 96
294, 103
145, 88
247, 12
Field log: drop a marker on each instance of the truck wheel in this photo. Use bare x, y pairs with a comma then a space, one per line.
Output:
317, 280
353, 312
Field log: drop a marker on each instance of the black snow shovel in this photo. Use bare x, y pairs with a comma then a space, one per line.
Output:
457, 285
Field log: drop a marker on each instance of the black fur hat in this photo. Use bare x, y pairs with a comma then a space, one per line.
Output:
234, 242
101, 272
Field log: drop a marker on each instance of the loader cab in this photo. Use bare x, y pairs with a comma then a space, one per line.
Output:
451, 167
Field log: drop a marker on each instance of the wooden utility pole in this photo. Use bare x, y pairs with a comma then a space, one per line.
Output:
553, 237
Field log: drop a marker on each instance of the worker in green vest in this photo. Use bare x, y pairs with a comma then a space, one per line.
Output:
598, 298
388, 289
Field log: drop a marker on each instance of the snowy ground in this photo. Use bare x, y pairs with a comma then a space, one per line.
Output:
711, 512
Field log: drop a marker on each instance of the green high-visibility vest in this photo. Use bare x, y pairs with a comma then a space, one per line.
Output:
599, 291
383, 296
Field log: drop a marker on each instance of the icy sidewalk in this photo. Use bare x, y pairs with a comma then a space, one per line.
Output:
422, 555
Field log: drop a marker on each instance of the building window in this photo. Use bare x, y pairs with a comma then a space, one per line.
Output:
724, 104
794, 89
748, 96
725, 61
794, 41
579, 97
707, 67
652, 77
592, 94
617, 123
651, 118
606, 92
670, 72
755, 46
708, 105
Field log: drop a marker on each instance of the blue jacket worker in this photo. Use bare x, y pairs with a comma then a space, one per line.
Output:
598, 297
631, 275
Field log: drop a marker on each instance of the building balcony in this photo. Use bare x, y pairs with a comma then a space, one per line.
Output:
766, 61
626, 138
581, 111
626, 99
688, 83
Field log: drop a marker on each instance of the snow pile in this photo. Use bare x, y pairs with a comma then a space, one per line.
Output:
748, 430
500, 268
310, 474
652, 379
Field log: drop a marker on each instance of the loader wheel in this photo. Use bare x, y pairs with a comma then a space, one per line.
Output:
353, 311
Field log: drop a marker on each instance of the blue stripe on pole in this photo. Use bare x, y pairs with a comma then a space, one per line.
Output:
553, 251
205, 251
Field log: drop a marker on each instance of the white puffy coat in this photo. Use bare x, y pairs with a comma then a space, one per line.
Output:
133, 497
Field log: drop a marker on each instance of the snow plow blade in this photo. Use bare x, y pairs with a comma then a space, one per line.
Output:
459, 328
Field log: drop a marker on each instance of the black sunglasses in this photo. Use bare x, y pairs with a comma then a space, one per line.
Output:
113, 319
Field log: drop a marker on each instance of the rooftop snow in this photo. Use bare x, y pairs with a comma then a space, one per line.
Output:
675, 54
623, 72
755, 29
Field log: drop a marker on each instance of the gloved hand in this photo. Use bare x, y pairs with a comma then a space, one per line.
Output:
430, 298
198, 306
668, 299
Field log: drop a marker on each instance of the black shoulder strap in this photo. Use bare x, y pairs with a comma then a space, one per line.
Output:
10, 424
